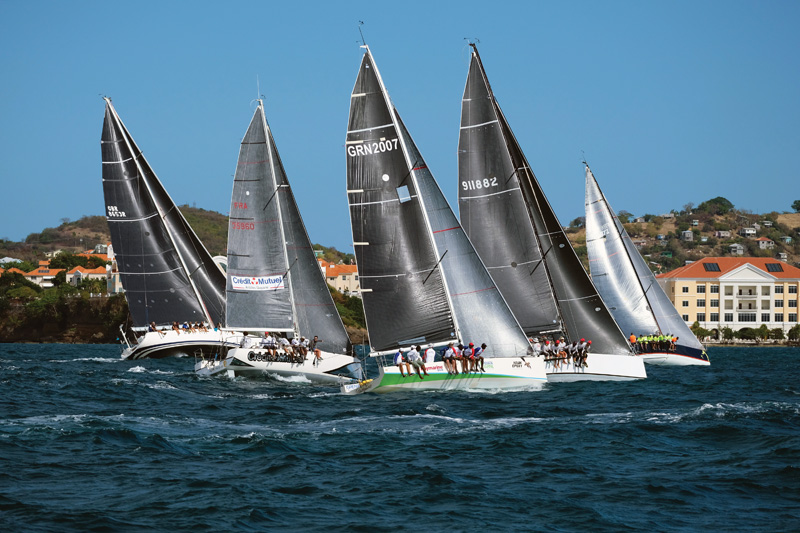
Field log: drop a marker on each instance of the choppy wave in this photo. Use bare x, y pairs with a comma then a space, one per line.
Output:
147, 445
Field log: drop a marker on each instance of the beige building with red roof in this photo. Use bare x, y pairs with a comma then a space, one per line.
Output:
43, 276
735, 292
79, 273
343, 278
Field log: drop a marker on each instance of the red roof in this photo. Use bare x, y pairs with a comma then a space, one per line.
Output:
727, 264
332, 271
15, 269
84, 270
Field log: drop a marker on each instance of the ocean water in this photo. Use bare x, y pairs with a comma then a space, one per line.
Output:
92, 443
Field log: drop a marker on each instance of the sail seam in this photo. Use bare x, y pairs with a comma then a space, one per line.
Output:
380, 202
117, 162
132, 219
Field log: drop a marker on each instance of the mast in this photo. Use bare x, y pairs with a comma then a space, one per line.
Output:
160, 210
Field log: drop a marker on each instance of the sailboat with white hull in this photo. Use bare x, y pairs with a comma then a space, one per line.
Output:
421, 280
274, 285
517, 234
167, 273
630, 289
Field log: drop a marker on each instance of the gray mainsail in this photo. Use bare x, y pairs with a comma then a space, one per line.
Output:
421, 279
555, 294
273, 279
623, 278
167, 273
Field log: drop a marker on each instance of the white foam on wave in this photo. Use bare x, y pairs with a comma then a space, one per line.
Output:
289, 379
137, 369
94, 359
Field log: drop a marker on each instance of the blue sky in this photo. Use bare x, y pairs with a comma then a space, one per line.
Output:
671, 102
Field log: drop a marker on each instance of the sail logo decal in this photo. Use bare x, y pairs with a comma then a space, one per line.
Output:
470, 185
113, 212
370, 148
257, 283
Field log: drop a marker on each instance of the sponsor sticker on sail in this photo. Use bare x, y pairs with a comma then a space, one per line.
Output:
257, 283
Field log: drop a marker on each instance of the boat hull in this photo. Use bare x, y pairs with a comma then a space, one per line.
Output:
250, 362
600, 367
500, 374
157, 345
673, 359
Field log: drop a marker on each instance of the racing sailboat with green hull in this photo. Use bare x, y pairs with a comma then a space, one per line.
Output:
421, 280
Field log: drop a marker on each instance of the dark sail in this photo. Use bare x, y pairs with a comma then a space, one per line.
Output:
167, 273
402, 287
258, 283
315, 311
489, 190
582, 311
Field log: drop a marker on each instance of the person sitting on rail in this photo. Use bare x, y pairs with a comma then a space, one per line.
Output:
479, 357
400, 362
415, 360
449, 359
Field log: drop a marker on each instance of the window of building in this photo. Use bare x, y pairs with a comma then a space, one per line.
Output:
715, 289
701, 289
764, 291
685, 289
356, 277
792, 303
685, 303
701, 317
714, 303
792, 289
778, 289
714, 317
774, 267
792, 317
728, 317
747, 317
685, 318
778, 317
701, 303
764, 317
778, 303
711, 267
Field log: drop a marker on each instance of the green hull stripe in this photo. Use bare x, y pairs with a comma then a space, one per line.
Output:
397, 379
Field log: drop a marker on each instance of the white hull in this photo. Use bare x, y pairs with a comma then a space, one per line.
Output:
500, 374
600, 367
672, 359
156, 345
240, 362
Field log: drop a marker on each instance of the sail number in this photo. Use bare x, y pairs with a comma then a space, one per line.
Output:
243, 225
370, 148
485, 183
114, 212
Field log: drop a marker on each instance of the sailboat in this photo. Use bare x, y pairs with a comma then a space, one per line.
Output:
167, 273
630, 289
274, 286
517, 234
422, 281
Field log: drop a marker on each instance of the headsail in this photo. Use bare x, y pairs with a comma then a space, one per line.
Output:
619, 272
167, 273
422, 280
273, 279
488, 149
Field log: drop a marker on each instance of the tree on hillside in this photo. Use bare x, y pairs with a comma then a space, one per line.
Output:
796, 206
578, 223
716, 206
624, 216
